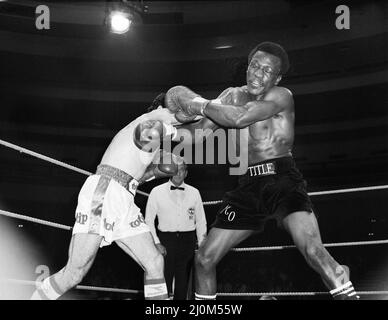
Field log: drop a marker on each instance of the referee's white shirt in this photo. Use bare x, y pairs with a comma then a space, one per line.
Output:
177, 210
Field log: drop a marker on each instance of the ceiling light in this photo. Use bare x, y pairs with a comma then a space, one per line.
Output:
119, 22
223, 47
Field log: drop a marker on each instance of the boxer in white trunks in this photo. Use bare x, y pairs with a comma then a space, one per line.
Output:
106, 211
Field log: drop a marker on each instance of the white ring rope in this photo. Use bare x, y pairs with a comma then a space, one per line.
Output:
48, 159
42, 157
221, 294
61, 226
70, 167
209, 203
34, 220
29, 282
253, 294
264, 248
338, 244
371, 188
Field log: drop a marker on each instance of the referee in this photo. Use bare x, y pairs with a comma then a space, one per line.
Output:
181, 227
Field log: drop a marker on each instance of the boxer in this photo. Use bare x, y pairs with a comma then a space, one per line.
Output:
106, 211
272, 187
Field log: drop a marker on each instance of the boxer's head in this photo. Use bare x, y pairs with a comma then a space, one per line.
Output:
267, 62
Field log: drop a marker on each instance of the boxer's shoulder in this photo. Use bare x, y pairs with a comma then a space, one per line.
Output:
280, 94
276, 90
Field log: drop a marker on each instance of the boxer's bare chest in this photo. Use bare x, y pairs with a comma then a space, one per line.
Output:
266, 139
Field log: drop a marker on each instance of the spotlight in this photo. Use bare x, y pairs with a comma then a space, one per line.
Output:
119, 22
121, 15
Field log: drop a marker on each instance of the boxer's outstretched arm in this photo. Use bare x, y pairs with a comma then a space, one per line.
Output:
196, 132
277, 100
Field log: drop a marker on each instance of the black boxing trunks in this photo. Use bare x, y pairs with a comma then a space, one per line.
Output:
271, 189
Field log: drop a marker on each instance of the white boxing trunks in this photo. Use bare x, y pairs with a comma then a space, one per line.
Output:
106, 206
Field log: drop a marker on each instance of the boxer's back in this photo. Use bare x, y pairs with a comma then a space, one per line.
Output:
122, 153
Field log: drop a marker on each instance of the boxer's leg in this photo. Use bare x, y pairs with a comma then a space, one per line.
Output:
82, 252
304, 230
218, 242
142, 249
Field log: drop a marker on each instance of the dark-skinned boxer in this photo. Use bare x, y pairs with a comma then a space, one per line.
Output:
272, 187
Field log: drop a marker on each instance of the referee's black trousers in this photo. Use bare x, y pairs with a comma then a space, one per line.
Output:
180, 248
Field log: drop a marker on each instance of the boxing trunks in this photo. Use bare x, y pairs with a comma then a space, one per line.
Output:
106, 206
271, 189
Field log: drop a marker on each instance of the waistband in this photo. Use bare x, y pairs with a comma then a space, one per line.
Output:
121, 177
177, 233
270, 167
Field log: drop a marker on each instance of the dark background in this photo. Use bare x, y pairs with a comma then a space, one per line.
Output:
66, 91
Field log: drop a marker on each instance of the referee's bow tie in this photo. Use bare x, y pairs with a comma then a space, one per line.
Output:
176, 188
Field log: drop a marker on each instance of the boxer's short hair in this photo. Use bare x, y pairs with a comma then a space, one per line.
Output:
158, 101
274, 49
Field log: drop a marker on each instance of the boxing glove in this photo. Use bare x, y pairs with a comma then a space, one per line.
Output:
185, 103
238, 96
179, 97
164, 165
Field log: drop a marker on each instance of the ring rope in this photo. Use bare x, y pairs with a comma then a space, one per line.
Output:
320, 193
209, 203
52, 160
264, 248
80, 287
246, 294
35, 220
43, 157
70, 167
224, 294
337, 244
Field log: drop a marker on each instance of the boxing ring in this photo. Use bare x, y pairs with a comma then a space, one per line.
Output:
19, 216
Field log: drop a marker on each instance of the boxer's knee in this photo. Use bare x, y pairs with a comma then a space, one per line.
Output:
204, 261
